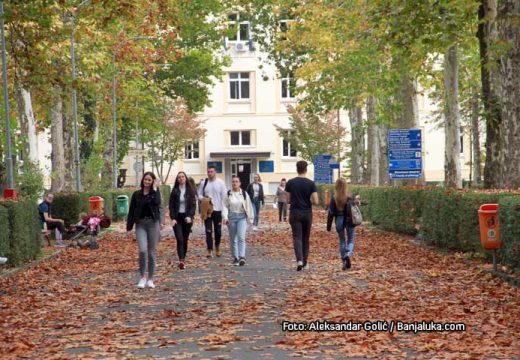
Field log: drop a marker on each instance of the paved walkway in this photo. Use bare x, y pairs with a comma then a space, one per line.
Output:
84, 304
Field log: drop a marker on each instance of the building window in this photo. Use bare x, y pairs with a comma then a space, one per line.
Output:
288, 84
283, 28
240, 138
191, 151
288, 149
239, 85
239, 28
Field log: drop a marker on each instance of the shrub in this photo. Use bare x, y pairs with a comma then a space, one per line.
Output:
24, 231
509, 214
30, 182
4, 234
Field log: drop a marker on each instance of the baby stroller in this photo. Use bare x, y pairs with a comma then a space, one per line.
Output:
87, 231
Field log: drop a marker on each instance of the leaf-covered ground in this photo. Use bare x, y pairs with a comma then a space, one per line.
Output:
85, 304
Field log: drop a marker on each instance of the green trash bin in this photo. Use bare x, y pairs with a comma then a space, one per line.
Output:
122, 205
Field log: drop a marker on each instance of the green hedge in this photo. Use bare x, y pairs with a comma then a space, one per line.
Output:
448, 219
4, 234
509, 215
23, 231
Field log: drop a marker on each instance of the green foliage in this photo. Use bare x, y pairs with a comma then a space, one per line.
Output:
509, 215
5, 233
24, 234
448, 219
30, 182
165, 194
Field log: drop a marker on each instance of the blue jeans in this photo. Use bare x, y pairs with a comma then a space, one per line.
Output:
237, 227
256, 206
350, 234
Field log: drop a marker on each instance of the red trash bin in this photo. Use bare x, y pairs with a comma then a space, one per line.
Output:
96, 205
10, 194
489, 226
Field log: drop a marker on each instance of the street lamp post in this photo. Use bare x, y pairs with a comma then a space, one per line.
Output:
9, 155
74, 96
114, 102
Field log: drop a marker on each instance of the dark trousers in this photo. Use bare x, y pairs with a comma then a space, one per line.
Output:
51, 225
214, 223
182, 232
301, 223
282, 211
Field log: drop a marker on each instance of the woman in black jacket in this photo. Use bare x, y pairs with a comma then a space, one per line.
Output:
146, 212
255, 191
183, 203
340, 208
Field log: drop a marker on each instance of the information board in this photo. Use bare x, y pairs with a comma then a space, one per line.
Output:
404, 153
322, 171
266, 166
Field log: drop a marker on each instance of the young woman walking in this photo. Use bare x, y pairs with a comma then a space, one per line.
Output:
281, 201
183, 204
340, 209
256, 193
146, 213
237, 210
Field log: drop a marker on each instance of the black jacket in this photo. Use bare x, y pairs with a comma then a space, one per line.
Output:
334, 212
251, 192
136, 205
191, 203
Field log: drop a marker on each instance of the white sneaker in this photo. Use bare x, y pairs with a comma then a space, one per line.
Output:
255, 228
306, 267
3, 260
150, 284
142, 283
299, 266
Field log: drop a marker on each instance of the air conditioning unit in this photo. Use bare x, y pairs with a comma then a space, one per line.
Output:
240, 47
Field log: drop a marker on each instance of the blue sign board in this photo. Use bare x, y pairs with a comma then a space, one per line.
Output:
266, 166
322, 170
217, 165
405, 153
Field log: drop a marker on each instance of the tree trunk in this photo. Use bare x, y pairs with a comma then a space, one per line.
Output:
384, 179
374, 147
27, 123
408, 118
452, 170
357, 145
475, 139
68, 143
508, 27
487, 35
58, 155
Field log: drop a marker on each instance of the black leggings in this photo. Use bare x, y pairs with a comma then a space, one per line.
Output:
214, 222
182, 233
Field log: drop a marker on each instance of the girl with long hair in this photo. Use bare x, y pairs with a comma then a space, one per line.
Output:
146, 213
183, 203
340, 209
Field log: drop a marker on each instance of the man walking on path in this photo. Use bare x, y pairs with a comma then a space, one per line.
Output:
301, 195
215, 189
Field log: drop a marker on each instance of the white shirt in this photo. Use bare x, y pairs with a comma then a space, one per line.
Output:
216, 190
236, 202
256, 190
182, 199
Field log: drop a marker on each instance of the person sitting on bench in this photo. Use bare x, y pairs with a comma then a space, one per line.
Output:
44, 210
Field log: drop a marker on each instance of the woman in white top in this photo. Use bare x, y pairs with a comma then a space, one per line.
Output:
237, 211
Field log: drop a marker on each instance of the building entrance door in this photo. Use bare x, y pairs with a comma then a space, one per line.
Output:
242, 169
